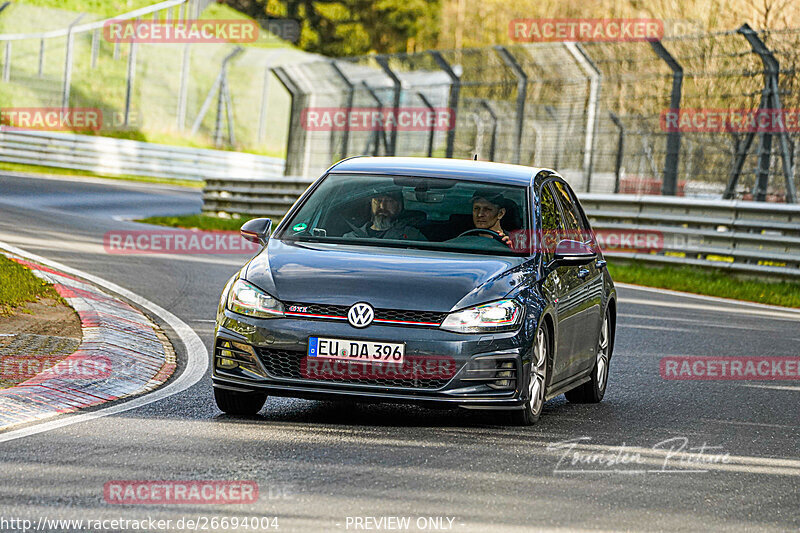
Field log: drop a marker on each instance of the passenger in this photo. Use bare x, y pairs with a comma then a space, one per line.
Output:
385, 221
487, 212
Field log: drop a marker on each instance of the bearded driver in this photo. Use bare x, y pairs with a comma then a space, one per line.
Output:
385, 222
487, 212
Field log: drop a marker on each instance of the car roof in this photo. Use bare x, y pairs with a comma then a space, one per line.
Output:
437, 167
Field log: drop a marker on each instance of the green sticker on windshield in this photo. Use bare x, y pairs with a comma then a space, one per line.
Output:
299, 227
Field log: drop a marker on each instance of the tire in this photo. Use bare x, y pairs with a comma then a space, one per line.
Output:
537, 381
239, 403
593, 390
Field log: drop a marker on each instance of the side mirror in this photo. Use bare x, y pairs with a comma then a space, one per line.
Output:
573, 253
257, 230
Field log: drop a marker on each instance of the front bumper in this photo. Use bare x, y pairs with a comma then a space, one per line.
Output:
479, 371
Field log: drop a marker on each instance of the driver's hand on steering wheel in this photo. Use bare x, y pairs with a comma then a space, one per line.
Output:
506, 239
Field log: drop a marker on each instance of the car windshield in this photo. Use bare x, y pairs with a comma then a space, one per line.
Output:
412, 212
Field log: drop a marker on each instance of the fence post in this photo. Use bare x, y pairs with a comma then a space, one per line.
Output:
183, 91
595, 77
522, 92
493, 141
294, 154
376, 135
452, 99
384, 64
41, 58
348, 106
130, 81
620, 149
7, 62
95, 47
432, 130
669, 185
770, 99
68, 64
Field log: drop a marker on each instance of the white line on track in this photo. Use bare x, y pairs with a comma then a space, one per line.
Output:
768, 313
196, 364
726, 301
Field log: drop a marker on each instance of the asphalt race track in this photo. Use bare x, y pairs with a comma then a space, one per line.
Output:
320, 465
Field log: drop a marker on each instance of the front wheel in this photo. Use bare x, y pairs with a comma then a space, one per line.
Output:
536, 382
593, 390
239, 403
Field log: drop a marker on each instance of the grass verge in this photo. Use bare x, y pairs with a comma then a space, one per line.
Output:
709, 283
19, 286
32, 169
203, 222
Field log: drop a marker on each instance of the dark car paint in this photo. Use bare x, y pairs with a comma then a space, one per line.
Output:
413, 279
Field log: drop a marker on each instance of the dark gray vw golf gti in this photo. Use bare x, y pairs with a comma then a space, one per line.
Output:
438, 281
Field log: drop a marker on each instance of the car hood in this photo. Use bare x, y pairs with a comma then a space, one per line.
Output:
389, 278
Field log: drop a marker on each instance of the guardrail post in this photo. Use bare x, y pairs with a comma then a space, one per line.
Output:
522, 93
432, 130
130, 80
493, 142
348, 106
452, 99
384, 64
770, 99
68, 64
669, 187
595, 78
620, 149
183, 91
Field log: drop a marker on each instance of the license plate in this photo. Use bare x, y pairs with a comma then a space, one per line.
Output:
356, 350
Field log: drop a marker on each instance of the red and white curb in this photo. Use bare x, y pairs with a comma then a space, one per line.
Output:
136, 357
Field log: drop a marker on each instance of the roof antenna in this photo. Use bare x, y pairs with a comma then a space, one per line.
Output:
475, 156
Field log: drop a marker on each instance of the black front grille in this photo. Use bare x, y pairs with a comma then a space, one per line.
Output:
428, 317
427, 373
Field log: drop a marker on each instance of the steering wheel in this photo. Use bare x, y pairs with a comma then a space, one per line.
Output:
477, 231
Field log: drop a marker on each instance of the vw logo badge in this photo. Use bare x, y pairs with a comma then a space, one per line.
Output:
360, 315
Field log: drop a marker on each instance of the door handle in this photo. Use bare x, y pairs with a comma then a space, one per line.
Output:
582, 273
600, 263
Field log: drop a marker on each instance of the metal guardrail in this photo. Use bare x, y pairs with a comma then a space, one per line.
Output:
106, 155
744, 237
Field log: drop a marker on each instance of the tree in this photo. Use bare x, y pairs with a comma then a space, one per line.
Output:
353, 27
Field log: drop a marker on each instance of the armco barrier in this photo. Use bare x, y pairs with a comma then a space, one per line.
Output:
106, 155
746, 237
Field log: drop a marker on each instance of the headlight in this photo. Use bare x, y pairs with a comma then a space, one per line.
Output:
247, 299
503, 315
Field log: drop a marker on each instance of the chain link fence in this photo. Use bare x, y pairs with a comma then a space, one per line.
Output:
594, 111
170, 92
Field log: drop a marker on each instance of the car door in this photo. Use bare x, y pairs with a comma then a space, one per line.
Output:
584, 285
554, 284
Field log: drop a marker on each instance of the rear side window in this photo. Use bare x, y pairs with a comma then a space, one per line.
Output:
577, 228
552, 227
